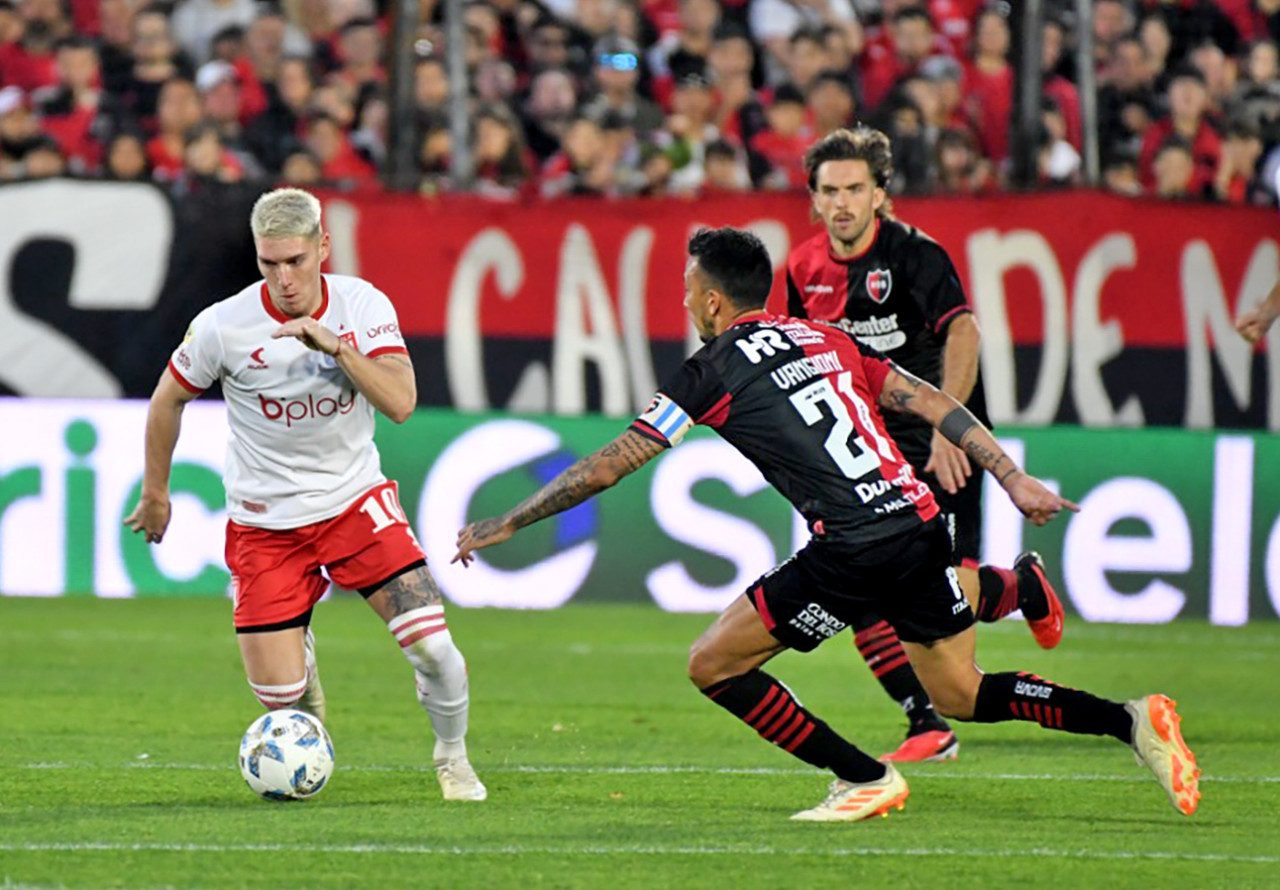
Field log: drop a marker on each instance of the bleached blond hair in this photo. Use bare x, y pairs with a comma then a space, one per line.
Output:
286, 213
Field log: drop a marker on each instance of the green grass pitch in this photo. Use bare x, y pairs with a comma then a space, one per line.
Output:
119, 722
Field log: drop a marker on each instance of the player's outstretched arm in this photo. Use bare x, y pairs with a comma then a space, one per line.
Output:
1253, 324
959, 374
586, 478
386, 381
907, 393
164, 422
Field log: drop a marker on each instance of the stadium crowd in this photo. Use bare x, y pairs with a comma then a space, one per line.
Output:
635, 97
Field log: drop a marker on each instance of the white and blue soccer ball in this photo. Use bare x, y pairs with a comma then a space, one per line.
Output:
286, 755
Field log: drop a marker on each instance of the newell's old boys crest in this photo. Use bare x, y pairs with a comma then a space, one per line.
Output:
879, 283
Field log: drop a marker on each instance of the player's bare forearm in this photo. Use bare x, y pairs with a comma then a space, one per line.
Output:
164, 424
960, 357
585, 479
386, 381
909, 394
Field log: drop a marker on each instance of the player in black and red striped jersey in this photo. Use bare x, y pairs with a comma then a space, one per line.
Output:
802, 401
895, 289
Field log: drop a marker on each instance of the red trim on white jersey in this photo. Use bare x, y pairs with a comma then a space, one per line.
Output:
388, 350
279, 316
183, 381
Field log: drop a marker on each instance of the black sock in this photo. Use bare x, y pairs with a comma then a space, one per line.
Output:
1024, 696
997, 593
879, 645
770, 709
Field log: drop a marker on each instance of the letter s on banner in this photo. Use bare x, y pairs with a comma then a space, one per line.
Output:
684, 519
471, 460
116, 267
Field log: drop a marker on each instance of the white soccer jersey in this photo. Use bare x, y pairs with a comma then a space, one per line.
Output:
301, 446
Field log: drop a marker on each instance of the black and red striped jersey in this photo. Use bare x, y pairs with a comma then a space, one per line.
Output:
898, 297
799, 399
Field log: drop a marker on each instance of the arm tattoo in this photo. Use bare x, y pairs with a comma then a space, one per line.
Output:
900, 396
990, 460
624, 455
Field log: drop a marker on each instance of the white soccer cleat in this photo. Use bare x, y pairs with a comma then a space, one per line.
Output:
847, 802
312, 700
1159, 746
458, 781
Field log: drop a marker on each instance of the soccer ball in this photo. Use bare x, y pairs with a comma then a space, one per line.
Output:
286, 755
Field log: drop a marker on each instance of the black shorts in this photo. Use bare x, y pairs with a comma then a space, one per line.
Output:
907, 580
961, 513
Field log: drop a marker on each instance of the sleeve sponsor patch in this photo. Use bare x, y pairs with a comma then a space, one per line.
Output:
667, 418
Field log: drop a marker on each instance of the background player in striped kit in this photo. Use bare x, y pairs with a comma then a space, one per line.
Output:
895, 289
304, 360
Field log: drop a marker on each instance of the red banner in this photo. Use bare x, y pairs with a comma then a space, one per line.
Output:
1089, 303
520, 256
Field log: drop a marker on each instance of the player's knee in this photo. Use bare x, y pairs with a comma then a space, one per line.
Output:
279, 695
954, 700
707, 666
424, 638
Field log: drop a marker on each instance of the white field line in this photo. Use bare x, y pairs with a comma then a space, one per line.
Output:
632, 850
934, 773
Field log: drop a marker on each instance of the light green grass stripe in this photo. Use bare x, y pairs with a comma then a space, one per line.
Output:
629, 850
667, 770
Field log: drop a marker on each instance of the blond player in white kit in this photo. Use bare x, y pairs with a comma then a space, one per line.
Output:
304, 360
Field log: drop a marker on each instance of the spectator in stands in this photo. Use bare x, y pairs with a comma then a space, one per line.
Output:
1192, 22
502, 167
615, 75
369, 137
685, 52
947, 76
115, 56
912, 39
433, 157
494, 82
1058, 162
1158, 43
360, 49
1120, 173
76, 112
19, 132
725, 170
1236, 180
903, 122
431, 87
156, 60
961, 170
1112, 22
548, 46
178, 112
1174, 170
220, 99
275, 133
125, 158
830, 102
1054, 85
1256, 98
1219, 74
10, 30
1126, 102
806, 58
29, 64
548, 111
228, 44
773, 22
582, 166
340, 165
43, 160
739, 113
989, 85
1188, 118
195, 22
778, 151
206, 162
301, 168
689, 130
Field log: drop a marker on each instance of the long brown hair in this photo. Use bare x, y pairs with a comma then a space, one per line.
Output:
858, 144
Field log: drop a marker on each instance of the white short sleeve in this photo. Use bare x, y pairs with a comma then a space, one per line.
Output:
197, 362
379, 326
